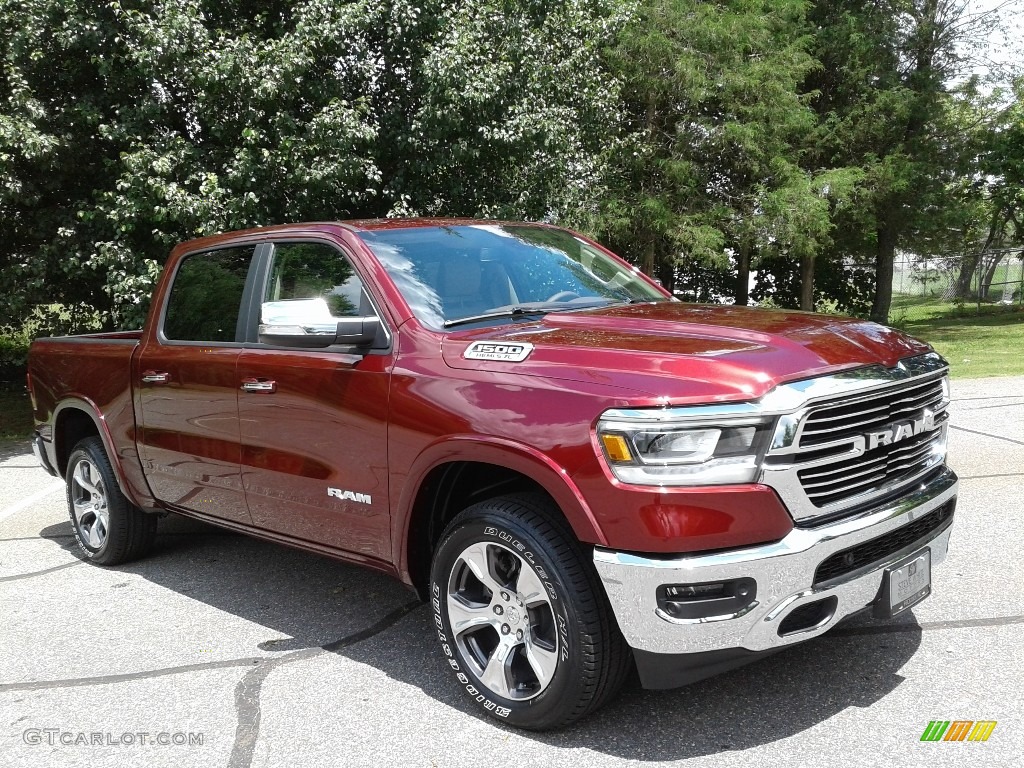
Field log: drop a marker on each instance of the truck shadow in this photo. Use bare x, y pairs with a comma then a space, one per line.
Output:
313, 601
753, 706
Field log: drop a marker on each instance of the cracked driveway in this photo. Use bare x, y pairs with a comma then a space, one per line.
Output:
256, 655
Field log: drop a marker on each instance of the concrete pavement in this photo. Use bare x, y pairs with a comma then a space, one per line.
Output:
250, 654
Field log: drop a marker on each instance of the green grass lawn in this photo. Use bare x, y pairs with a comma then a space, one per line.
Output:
976, 345
15, 415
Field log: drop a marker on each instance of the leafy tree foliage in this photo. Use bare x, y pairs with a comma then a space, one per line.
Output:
128, 126
882, 97
719, 121
788, 134
805, 140
1002, 168
711, 102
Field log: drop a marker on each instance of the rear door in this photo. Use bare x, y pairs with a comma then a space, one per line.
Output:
314, 421
188, 380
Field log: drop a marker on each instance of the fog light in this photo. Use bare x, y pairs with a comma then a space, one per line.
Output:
707, 599
695, 591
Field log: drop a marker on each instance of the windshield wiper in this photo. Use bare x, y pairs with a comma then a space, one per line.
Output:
542, 308
510, 312
621, 302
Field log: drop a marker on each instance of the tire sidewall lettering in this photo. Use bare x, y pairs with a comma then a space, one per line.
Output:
482, 697
509, 540
461, 676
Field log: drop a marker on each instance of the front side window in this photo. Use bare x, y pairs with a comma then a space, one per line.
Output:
451, 275
311, 285
206, 296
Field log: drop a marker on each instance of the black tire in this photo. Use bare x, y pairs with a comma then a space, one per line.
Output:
109, 530
563, 653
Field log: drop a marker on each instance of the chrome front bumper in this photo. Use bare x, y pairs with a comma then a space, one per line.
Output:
784, 572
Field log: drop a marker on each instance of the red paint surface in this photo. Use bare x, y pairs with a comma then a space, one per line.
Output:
378, 424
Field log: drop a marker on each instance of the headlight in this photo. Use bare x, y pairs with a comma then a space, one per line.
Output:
684, 446
643, 447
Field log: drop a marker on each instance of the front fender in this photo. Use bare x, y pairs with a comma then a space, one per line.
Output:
519, 457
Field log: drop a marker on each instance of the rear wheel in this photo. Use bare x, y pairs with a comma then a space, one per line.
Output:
521, 616
108, 529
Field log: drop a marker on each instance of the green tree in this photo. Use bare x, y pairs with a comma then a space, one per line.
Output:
882, 94
716, 123
985, 204
126, 127
1002, 168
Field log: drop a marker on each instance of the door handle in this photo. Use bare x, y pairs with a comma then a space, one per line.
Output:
259, 386
155, 377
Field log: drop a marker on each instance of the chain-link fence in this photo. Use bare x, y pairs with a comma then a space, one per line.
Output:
992, 277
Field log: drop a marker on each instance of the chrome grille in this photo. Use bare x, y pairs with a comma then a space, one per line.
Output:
886, 465
839, 479
870, 434
850, 419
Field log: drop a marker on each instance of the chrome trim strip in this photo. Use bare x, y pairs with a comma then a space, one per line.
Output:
684, 414
784, 572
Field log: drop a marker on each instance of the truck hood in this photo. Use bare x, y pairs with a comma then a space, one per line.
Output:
686, 353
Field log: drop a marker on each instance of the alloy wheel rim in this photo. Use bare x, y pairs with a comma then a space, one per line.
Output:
502, 621
89, 504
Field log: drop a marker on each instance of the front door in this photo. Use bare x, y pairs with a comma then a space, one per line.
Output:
314, 421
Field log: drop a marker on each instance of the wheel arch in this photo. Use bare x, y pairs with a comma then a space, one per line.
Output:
449, 476
74, 420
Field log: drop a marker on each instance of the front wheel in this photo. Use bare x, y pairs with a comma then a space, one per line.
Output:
109, 530
521, 616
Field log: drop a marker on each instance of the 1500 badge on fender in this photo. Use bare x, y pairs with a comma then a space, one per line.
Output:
484, 350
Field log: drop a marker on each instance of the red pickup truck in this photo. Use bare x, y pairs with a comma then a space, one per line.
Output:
579, 473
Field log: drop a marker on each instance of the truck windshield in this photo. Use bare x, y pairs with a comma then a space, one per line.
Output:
455, 275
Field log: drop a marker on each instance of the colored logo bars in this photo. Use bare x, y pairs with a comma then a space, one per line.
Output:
958, 730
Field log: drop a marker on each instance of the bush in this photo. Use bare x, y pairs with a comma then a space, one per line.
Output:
13, 359
839, 289
43, 320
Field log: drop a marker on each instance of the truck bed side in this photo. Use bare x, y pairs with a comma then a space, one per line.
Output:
81, 386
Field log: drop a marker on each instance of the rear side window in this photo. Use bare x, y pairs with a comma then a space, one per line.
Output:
207, 294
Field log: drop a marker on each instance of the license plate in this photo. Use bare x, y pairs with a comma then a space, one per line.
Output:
906, 583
